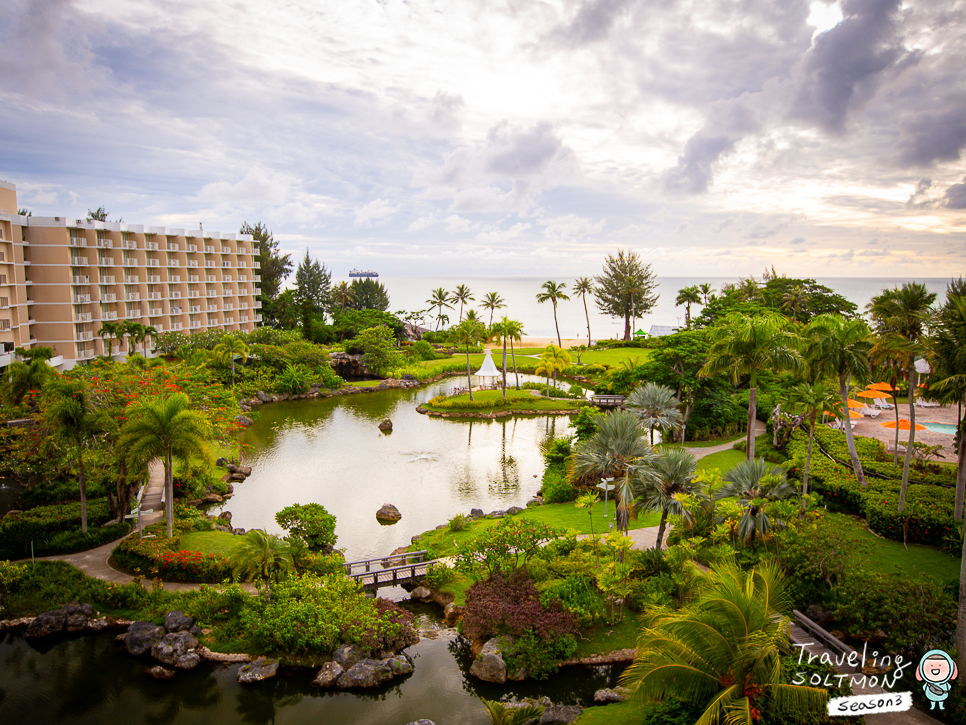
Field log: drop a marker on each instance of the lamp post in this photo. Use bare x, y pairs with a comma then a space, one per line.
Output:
607, 486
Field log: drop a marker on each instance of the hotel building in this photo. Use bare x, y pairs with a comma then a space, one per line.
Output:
61, 279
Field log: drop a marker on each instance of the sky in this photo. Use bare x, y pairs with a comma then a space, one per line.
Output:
505, 137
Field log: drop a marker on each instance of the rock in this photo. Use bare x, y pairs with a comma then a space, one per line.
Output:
221, 462
347, 655
47, 623
187, 661
260, 669
225, 516
386, 426
399, 665
819, 615
518, 676
255, 401
452, 613
421, 593
535, 501
243, 420
244, 470
236, 477
489, 665
372, 673
514, 510
75, 622
496, 514
415, 539
161, 673
173, 646
476, 513
212, 498
177, 621
838, 634
407, 376
238, 532
561, 714
196, 630
388, 512
86, 609
98, 625
607, 695
142, 636
327, 676
262, 397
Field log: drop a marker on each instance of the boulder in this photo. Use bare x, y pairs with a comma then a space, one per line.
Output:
476, 513
407, 376
86, 609
260, 669
819, 615
327, 676
416, 539
76, 622
514, 510
262, 397
178, 621
98, 625
243, 420
173, 646
388, 512
347, 655
608, 695
236, 477
421, 593
386, 426
225, 516
244, 470
221, 462
489, 665
161, 673
496, 514
47, 623
560, 715
187, 661
212, 498
372, 673
142, 636
452, 612
535, 501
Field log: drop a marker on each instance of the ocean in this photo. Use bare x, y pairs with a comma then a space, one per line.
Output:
410, 294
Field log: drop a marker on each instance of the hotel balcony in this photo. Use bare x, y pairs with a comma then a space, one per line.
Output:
80, 280
82, 317
79, 261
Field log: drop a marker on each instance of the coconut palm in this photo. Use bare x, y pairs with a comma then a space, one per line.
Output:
810, 399
743, 345
230, 347
755, 483
840, 348
616, 445
901, 315
706, 291
165, 428
131, 330
514, 331
656, 406
584, 286
553, 293
20, 377
553, 360
949, 375
144, 333
748, 290
109, 330
722, 652
492, 302
671, 472
264, 556
795, 301
73, 421
462, 295
468, 333
439, 298
688, 296
501, 331
343, 295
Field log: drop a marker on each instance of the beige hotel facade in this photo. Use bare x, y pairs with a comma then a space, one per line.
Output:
61, 279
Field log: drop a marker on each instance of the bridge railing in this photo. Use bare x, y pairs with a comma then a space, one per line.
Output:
827, 640
364, 566
393, 576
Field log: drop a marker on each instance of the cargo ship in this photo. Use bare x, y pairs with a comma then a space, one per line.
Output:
362, 273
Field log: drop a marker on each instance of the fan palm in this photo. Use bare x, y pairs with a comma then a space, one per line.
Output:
264, 556
165, 428
584, 286
723, 651
553, 293
656, 406
754, 484
810, 399
743, 345
688, 296
462, 295
439, 298
228, 349
492, 302
671, 472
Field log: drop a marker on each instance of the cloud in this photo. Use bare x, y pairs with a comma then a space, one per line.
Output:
378, 210
797, 240
592, 23
571, 227
920, 197
955, 196
694, 170
934, 135
427, 220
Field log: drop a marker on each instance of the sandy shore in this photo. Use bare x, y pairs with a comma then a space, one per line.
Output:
568, 342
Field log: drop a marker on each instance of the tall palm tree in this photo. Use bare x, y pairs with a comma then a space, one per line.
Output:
748, 345
584, 286
901, 314
554, 359
514, 331
165, 428
706, 291
469, 333
755, 483
949, 375
73, 420
499, 331
840, 348
143, 335
688, 296
656, 406
670, 473
343, 295
722, 652
131, 330
439, 298
109, 330
492, 302
553, 293
264, 556
462, 295
230, 347
810, 399
616, 445
795, 301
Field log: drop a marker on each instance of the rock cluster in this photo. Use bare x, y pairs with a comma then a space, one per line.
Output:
174, 644
69, 618
489, 664
316, 391
261, 669
388, 512
349, 669
608, 695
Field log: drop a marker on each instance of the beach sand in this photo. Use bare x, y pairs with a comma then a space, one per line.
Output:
568, 342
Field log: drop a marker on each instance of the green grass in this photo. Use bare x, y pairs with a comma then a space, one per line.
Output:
364, 383
618, 713
723, 460
522, 401
604, 638
435, 365
611, 357
220, 543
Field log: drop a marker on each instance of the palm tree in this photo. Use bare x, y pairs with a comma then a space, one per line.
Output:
553, 360
165, 428
688, 296
795, 301
501, 714
584, 286
500, 331
469, 333
462, 295
110, 330
616, 445
722, 652
264, 556
492, 302
130, 329
840, 347
746, 346
949, 375
439, 298
755, 483
901, 315
343, 295
143, 335
228, 349
810, 399
74, 422
514, 331
656, 406
553, 292
22, 377
670, 473
748, 290
706, 291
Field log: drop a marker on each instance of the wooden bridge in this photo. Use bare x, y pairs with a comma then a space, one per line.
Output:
608, 401
390, 571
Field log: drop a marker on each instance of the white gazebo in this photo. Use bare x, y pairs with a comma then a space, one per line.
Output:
488, 369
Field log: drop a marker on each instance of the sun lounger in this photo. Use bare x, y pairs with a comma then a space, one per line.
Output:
927, 404
871, 412
881, 404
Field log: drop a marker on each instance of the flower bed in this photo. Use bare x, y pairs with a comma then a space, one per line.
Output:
160, 556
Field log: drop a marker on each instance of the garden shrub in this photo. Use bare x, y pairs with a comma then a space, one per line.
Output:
579, 596
310, 523
539, 657
439, 575
459, 522
293, 380
44, 523
557, 488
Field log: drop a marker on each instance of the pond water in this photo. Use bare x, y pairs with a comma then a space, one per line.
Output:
331, 452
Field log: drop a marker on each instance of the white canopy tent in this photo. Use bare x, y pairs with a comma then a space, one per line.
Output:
487, 369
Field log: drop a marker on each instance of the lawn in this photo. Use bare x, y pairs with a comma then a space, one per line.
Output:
611, 357
723, 460
220, 543
364, 383
618, 713
522, 400
605, 638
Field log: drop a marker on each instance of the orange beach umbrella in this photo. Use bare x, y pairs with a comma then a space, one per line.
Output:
855, 404
903, 424
880, 386
870, 393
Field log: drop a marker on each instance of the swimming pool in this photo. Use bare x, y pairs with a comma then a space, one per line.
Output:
947, 428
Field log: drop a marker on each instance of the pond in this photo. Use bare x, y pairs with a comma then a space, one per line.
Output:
331, 452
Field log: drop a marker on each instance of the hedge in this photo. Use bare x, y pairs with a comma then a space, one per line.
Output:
160, 556
53, 528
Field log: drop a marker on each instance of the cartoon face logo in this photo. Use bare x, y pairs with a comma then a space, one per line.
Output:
936, 669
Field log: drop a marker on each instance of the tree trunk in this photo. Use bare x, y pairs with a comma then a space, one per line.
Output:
752, 408
961, 614
469, 380
82, 480
556, 324
911, 444
586, 315
233, 371
627, 326
504, 366
660, 529
514, 358
169, 492
849, 438
808, 457
895, 407
961, 474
